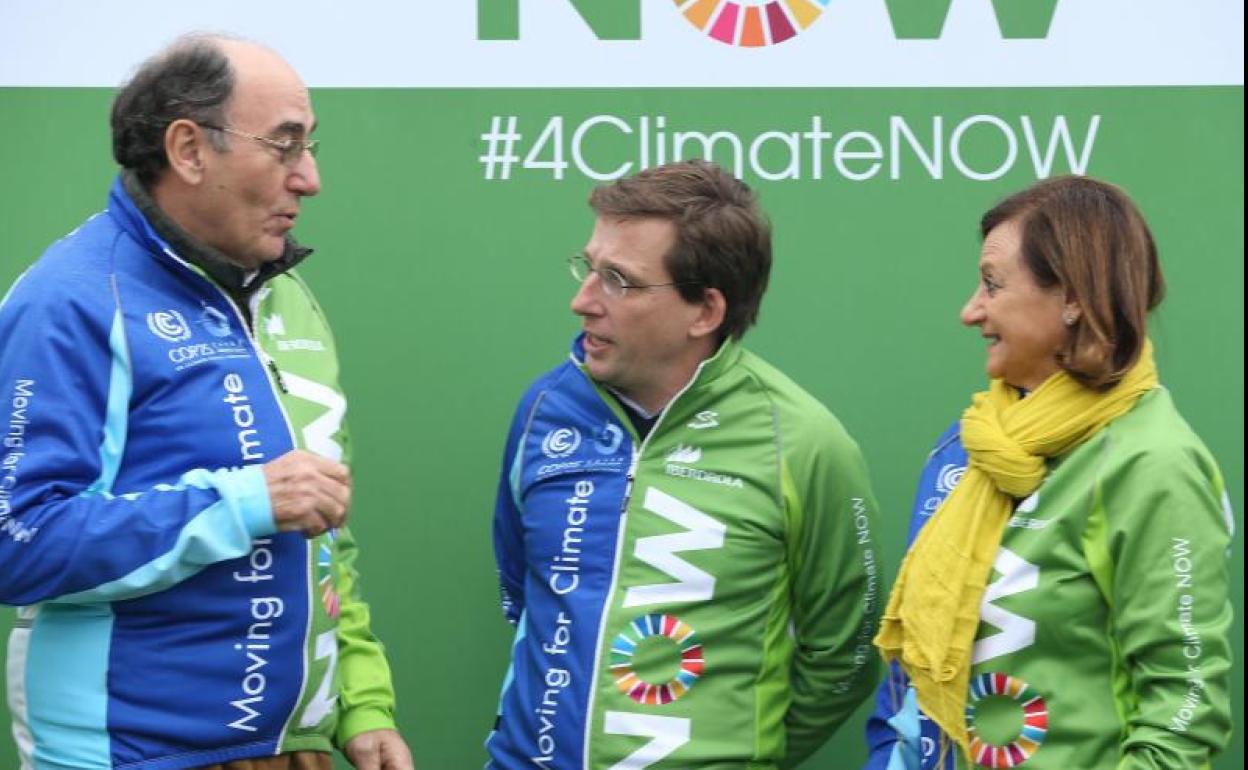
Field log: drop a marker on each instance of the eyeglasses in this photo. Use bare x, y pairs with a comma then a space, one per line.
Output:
613, 284
289, 150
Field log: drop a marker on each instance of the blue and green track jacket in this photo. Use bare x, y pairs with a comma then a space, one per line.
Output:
1103, 639
163, 622
703, 598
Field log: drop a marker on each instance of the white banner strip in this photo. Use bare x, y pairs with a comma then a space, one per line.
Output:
697, 43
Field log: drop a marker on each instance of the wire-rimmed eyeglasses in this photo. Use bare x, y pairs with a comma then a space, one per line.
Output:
289, 150
613, 283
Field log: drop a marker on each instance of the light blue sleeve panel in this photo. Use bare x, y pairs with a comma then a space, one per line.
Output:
222, 530
65, 391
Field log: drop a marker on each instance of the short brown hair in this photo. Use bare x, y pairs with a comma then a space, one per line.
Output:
723, 238
1089, 238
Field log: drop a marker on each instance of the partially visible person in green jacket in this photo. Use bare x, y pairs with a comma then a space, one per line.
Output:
1064, 600
683, 535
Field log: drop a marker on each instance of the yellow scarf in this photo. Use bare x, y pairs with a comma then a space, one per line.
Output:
933, 611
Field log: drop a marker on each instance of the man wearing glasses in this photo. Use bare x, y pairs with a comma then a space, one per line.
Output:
683, 535
174, 477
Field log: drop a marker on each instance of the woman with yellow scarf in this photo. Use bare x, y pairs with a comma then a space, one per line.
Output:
1063, 604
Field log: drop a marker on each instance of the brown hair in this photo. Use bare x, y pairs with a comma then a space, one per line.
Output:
1089, 238
723, 238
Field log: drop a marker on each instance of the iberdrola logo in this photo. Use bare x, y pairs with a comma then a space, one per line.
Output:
752, 23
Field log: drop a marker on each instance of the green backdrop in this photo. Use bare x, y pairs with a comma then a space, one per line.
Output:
448, 292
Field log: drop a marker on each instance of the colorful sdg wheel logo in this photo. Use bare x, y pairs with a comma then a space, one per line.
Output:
325, 573
661, 627
1035, 721
752, 23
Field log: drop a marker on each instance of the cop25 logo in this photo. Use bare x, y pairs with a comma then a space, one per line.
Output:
169, 325
759, 23
561, 442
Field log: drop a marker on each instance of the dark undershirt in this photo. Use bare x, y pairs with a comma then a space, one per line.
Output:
641, 423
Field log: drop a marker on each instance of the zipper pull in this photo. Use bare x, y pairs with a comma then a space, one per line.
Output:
277, 375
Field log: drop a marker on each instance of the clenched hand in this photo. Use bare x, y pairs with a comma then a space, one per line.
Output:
308, 493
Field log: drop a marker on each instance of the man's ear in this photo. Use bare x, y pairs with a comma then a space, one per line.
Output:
185, 147
710, 315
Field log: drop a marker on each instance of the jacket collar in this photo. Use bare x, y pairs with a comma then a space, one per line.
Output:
708, 371
139, 215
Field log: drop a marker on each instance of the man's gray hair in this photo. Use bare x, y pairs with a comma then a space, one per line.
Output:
191, 79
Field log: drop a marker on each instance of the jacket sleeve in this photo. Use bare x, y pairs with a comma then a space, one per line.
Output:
1169, 526
366, 694
65, 533
835, 592
508, 529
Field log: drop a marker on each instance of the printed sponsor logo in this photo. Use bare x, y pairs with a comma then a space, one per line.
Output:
186, 356
215, 322
701, 532
314, 346
670, 632
609, 464
249, 446
666, 734
697, 474
561, 442
864, 650
1028, 505
319, 435
608, 440
1184, 581
11, 458
680, 459
556, 680
565, 568
862, 521
1011, 752
330, 599
263, 613
948, 477
321, 705
704, 420
169, 325
685, 454
274, 326
1016, 632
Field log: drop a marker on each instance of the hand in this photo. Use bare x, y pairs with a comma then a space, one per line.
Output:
379, 750
307, 492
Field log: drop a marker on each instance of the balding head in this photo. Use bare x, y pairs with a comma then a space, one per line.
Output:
268, 97
194, 78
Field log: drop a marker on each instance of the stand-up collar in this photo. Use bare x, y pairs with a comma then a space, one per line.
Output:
128, 192
708, 371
